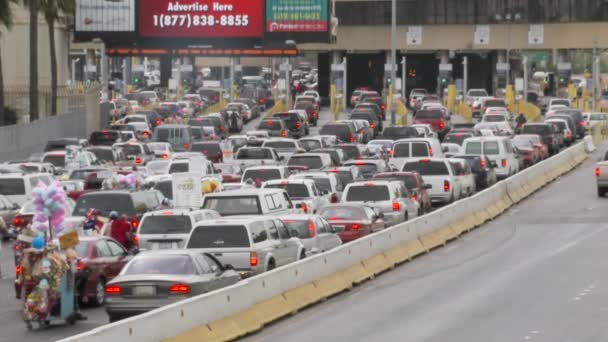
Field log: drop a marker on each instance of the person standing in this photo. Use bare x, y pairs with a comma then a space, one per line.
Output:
120, 229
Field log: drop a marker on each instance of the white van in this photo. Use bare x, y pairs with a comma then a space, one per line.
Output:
405, 149
497, 149
440, 174
250, 202
18, 187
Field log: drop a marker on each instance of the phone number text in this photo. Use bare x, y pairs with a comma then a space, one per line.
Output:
188, 20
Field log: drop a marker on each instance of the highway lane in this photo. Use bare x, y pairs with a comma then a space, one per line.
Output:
536, 273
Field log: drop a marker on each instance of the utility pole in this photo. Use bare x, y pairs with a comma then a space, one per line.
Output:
393, 55
525, 66
465, 74
596, 74
231, 79
403, 78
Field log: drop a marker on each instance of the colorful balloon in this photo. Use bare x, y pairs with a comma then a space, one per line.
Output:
38, 242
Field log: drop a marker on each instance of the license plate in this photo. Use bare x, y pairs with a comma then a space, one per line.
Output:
165, 245
339, 228
144, 291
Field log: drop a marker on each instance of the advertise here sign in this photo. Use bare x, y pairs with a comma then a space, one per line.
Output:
187, 190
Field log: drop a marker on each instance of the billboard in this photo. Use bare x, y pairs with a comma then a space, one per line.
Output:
299, 20
105, 16
200, 19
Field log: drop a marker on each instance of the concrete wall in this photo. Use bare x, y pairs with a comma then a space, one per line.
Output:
461, 37
15, 51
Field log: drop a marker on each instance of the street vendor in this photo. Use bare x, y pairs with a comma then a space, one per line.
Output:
92, 223
120, 229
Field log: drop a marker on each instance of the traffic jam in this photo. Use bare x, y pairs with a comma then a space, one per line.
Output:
169, 201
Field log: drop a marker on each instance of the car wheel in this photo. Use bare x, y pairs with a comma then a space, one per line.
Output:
100, 294
271, 265
302, 255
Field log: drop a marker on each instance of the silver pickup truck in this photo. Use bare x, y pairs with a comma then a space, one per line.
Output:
601, 175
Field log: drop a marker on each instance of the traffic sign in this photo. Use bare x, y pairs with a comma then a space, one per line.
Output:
414, 35
482, 34
536, 34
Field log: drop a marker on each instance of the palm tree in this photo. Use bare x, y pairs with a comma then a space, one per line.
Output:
32, 5
6, 20
53, 11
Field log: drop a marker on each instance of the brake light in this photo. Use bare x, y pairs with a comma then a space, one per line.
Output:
414, 197
503, 163
146, 134
372, 125
568, 134
304, 208
352, 139
314, 114
446, 186
424, 161
283, 133
382, 107
113, 290
17, 221
298, 125
222, 129
164, 156
157, 122
441, 125
396, 206
482, 163
253, 259
138, 160
261, 101
17, 271
311, 229
597, 172
135, 240
355, 226
186, 146
134, 223
580, 123
179, 289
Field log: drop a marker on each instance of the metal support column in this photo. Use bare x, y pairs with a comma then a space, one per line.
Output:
403, 78
231, 79
393, 56
465, 76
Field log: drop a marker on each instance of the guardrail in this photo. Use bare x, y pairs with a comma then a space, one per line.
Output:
249, 305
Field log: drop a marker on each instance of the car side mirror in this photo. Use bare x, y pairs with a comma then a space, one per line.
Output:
380, 216
166, 201
281, 158
445, 149
228, 267
428, 186
15, 206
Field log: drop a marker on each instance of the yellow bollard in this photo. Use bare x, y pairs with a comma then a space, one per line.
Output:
451, 97
572, 91
509, 98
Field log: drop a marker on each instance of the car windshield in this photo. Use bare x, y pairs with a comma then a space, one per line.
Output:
160, 264
478, 93
343, 213
237, 205
219, 237
495, 103
132, 150
524, 143
104, 137
494, 118
489, 147
271, 125
429, 114
560, 102
312, 162
294, 191
287, 116
261, 175
427, 168
310, 144
179, 167
456, 138
58, 160
368, 193
208, 149
166, 188
361, 116
537, 129
12, 186
254, 154
281, 145
409, 180
103, 155
105, 203
598, 117
302, 227
169, 224
366, 169
400, 133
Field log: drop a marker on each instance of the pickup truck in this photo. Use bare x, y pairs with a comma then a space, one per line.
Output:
253, 156
601, 176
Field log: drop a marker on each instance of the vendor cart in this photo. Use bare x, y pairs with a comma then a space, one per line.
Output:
61, 306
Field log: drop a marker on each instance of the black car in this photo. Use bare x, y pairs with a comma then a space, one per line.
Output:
311, 110
578, 118
369, 106
343, 132
400, 132
546, 133
369, 116
376, 99
104, 137
254, 108
216, 122
481, 167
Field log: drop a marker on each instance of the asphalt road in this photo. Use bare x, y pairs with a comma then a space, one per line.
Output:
537, 273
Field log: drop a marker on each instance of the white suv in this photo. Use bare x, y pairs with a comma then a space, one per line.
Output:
440, 174
497, 149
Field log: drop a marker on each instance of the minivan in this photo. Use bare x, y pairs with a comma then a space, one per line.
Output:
414, 148
179, 136
18, 187
497, 149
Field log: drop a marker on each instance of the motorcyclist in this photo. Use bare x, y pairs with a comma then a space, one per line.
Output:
234, 121
521, 120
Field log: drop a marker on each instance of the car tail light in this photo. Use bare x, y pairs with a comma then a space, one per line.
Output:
179, 289
138, 160
164, 156
597, 172
352, 139
372, 125
382, 107
441, 125
134, 222
304, 208
283, 133
446, 186
80, 265
482, 163
146, 134
355, 226
314, 114
503, 163
261, 101
396, 206
253, 259
17, 271
222, 129
334, 198
157, 122
186, 146
135, 240
568, 134
113, 290
17, 221
430, 151
311, 229
298, 124
415, 197
580, 123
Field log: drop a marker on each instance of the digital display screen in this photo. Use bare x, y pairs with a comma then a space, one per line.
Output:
201, 19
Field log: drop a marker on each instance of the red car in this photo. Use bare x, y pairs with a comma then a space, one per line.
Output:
100, 259
352, 221
436, 117
414, 183
210, 149
530, 152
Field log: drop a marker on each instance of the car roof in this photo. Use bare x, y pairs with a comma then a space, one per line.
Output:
175, 212
242, 192
291, 180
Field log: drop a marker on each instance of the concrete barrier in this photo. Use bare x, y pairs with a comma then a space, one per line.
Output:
249, 305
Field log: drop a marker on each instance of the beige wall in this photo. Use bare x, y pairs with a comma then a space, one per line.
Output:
15, 52
460, 37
